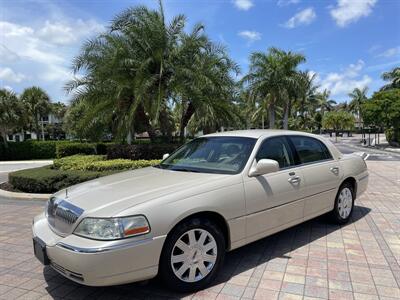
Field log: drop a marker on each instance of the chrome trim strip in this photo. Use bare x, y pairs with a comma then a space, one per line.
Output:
364, 177
107, 248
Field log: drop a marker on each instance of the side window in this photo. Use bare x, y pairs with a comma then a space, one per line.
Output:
310, 149
276, 148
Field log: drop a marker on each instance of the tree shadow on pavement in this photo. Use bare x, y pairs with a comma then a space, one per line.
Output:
245, 261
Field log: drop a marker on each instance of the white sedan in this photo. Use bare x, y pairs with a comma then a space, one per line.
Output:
212, 195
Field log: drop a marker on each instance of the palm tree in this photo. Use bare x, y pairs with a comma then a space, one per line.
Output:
11, 113
134, 71
324, 103
358, 98
127, 70
306, 94
271, 75
37, 105
202, 80
393, 77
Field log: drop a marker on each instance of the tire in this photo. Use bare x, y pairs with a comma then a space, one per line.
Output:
174, 260
343, 209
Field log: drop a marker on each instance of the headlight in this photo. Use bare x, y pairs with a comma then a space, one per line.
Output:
112, 228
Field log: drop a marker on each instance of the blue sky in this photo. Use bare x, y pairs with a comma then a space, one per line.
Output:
348, 43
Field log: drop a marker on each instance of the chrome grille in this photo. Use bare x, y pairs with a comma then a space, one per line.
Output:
61, 214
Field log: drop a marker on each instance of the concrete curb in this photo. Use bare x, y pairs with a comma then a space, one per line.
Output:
24, 196
16, 162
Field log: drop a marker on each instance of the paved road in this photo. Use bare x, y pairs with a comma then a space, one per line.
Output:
347, 147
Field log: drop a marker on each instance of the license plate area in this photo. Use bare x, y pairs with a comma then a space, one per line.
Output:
39, 249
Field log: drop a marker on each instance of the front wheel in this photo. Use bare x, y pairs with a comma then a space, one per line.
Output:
192, 255
344, 204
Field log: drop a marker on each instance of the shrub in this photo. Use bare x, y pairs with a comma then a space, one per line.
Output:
119, 164
29, 150
98, 163
76, 162
140, 151
49, 180
69, 149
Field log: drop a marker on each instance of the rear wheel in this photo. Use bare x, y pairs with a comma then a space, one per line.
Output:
192, 255
344, 204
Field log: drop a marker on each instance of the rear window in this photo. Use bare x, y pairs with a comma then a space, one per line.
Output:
310, 149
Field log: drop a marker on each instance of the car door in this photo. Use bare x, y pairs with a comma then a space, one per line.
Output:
273, 201
321, 172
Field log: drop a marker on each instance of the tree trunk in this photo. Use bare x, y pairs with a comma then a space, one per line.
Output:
188, 113
4, 135
37, 128
146, 121
271, 115
42, 130
286, 114
129, 137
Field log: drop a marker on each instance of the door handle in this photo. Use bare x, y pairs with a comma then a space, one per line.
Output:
295, 179
335, 170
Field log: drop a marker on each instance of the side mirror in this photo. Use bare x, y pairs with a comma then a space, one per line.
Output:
165, 156
263, 166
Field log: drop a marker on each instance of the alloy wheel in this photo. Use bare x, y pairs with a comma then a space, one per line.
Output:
194, 255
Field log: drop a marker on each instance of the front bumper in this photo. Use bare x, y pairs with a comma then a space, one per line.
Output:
100, 263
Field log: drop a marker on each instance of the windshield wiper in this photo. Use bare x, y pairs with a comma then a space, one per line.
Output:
184, 170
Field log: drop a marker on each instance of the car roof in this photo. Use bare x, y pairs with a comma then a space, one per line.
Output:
257, 133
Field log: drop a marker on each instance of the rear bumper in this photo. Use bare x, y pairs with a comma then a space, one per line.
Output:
362, 183
99, 263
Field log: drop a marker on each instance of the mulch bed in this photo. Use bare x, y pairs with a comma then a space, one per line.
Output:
8, 187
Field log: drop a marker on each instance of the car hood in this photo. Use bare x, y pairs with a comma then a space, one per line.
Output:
109, 195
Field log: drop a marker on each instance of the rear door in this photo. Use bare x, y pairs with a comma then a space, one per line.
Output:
273, 200
321, 174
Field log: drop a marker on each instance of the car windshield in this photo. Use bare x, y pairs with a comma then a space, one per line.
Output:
223, 155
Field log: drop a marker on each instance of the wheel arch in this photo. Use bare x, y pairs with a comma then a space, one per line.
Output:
353, 183
212, 216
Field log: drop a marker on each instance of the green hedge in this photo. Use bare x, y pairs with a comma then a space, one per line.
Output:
48, 149
29, 150
49, 180
99, 163
140, 151
69, 149
70, 170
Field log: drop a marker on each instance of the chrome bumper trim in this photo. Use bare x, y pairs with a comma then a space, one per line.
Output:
107, 248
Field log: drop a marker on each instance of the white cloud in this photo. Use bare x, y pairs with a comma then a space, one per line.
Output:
304, 17
391, 52
7, 74
349, 11
64, 34
250, 36
243, 4
44, 51
6, 55
342, 83
287, 2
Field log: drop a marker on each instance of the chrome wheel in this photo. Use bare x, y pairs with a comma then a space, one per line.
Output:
345, 203
194, 255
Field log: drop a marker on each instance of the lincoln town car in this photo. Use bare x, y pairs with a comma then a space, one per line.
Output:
177, 219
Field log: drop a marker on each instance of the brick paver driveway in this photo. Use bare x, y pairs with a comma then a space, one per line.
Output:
314, 260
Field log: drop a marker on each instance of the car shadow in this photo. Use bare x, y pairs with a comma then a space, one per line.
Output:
245, 260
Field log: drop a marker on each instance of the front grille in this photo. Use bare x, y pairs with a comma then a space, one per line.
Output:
66, 215
61, 214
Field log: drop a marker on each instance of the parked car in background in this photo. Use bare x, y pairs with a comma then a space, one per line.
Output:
212, 195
